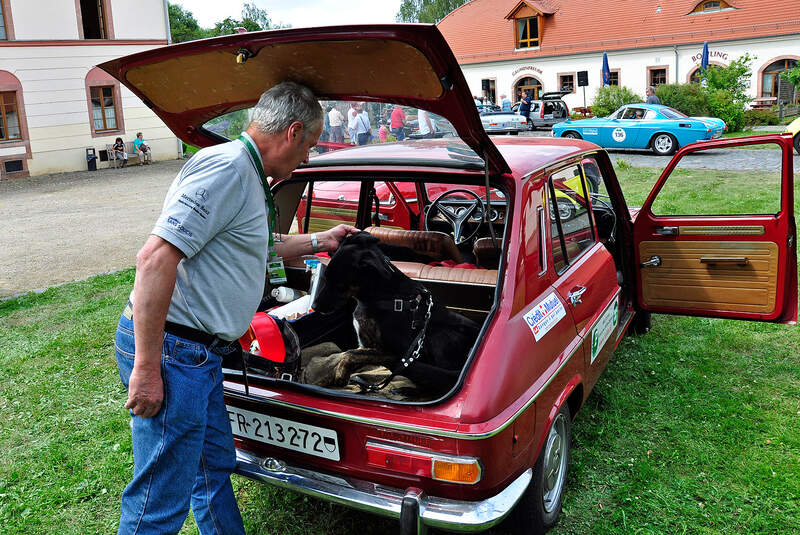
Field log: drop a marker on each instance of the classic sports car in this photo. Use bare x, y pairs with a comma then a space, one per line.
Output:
553, 297
496, 121
643, 126
794, 129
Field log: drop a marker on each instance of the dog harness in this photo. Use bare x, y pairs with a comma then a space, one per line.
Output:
422, 301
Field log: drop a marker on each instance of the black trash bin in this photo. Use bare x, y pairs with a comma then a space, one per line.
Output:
91, 159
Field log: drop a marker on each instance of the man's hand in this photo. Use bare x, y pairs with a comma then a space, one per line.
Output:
145, 391
330, 239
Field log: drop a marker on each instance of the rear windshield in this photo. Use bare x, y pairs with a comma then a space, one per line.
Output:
348, 123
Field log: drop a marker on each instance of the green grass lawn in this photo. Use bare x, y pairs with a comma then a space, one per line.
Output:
694, 427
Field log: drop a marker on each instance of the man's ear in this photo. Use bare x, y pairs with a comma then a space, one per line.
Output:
295, 132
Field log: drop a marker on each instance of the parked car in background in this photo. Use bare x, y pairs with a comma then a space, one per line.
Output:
794, 129
496, 121
548, 110
554, 286
643, 126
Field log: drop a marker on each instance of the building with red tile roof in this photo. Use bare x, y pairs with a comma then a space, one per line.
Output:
541, 45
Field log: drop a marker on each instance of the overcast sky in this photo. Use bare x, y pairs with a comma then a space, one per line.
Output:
298, 13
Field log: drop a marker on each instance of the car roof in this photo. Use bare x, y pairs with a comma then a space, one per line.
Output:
522, 153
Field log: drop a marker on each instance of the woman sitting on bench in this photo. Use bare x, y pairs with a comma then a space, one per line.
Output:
119, 151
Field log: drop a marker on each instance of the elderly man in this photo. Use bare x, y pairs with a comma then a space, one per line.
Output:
199, 279
652, 98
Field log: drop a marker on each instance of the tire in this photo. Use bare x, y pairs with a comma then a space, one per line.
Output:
797, 143
664, 144
571, 134
538, 509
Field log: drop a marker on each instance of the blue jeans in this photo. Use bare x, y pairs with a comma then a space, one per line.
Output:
399, 133
184, 454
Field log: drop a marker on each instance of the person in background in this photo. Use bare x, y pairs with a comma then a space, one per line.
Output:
652, 98
383, 133
119, 151
336, 120
477, 100
142, 149
525, 105
363, 129
352, 119
326, 130
426, 125
398, 122
505, 103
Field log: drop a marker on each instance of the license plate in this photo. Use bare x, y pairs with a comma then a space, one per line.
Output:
295, 436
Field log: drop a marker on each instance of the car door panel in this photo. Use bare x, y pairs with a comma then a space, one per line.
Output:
731, 266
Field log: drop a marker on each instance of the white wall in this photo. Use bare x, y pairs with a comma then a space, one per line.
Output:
632, 64
139, 19
54, 93
44, 19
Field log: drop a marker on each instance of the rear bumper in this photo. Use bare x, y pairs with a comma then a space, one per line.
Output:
415, 510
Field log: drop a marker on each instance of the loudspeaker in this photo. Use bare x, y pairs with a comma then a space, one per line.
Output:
485, 85
583, 78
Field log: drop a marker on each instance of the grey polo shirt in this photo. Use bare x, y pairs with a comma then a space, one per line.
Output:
215, 212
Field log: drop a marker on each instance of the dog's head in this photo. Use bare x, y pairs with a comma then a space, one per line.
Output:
357, 269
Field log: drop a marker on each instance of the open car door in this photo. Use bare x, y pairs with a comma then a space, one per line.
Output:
732, 264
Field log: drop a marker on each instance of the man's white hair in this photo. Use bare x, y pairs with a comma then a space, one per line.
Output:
284, 104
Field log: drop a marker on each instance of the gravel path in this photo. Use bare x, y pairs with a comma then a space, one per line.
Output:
69, 226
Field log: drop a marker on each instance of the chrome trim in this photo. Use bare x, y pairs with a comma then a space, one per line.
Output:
442, 513
399, 426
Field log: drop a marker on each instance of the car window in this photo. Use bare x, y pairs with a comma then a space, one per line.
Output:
634, 113
534, 106
332, 202
571, 228
649, 115
723, 192
672, 113
618, 114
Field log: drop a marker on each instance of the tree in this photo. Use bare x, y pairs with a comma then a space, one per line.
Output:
792, 76
426, 10
733, 78
612, 97
183, 26
253, 19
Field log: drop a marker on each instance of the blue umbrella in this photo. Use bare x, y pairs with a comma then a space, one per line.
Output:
704, 57
606, 71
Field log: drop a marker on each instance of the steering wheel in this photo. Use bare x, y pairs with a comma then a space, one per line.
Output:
456, 216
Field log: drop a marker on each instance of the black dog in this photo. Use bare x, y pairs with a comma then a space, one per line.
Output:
392, 314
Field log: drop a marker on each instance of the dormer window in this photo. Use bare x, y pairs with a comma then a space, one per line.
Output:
527, 32
711, 6
527, 18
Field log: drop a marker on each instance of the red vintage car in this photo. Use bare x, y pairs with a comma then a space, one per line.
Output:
553, 295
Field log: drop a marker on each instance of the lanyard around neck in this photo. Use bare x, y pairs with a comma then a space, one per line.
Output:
267, 193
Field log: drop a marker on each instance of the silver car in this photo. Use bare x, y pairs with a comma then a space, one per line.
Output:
496, 121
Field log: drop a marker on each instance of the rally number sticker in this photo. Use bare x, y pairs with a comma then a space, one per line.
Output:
618, 134
545, 315
606, 324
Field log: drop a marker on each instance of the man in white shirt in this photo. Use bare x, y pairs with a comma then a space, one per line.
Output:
336, 120
426, 124
352, 119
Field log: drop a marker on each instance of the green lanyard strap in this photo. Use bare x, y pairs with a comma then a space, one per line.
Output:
273, 223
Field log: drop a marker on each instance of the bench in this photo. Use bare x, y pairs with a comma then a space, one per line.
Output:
763, 103
129, 150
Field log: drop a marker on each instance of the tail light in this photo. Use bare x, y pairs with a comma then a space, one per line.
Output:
422, 463
541, 111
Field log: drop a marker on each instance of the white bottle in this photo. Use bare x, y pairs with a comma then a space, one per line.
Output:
282, 294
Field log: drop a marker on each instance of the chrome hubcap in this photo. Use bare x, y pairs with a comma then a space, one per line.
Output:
664, 143
555, 463
564, 211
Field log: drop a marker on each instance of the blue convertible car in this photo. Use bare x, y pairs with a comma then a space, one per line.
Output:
643, 126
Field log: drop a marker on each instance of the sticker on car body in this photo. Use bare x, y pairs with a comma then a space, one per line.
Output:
606, 324
590, 131
618, 134
545, 315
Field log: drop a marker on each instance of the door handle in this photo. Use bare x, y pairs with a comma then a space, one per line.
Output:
654, 261
667, 231
575, 295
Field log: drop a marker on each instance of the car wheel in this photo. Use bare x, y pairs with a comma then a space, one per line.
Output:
797, 143
572, 135
538, 509
664, 144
